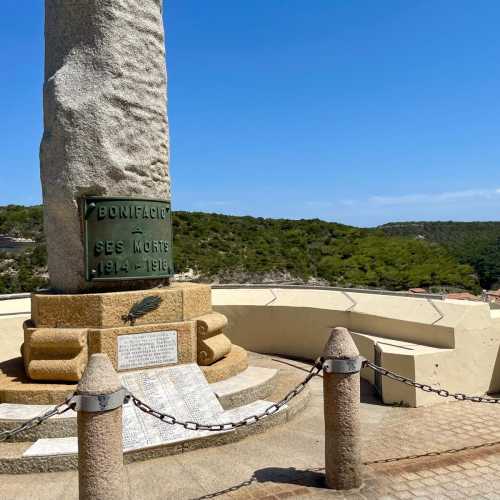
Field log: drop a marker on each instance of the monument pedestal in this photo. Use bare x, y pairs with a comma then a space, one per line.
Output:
66, 329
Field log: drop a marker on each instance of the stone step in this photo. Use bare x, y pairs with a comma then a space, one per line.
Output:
58, 426
255, 383
250, 385
15, 387
69, 445
59, 454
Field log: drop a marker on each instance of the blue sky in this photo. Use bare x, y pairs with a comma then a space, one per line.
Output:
347, 110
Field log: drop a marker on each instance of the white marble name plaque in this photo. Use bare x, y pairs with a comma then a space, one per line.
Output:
181, 391
144, 350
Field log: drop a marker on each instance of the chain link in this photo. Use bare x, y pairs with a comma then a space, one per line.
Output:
270, 410
428, 388
70, 402
61, 408
433, 453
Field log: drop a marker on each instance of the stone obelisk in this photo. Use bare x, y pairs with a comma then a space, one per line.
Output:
106, 190
105, 118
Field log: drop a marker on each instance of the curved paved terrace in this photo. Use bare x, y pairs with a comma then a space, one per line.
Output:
286, 461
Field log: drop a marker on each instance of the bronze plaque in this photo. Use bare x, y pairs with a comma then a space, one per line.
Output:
127, 238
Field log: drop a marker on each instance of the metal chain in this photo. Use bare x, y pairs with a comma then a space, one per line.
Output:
270, 410
428, 388
433, 453
61, 408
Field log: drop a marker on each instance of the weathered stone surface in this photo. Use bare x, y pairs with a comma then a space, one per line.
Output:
341, 393
102, 310
213, 349
229, 366
16, 387
211, 324
106, 130
179, 302
54, 354
65, 323
252, 384
100, 458
213, 345
196, 299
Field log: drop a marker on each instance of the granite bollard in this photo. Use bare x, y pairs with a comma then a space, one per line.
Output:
100, 440
341, 392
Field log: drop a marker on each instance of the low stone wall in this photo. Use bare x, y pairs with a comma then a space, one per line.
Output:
13, 313
449, 343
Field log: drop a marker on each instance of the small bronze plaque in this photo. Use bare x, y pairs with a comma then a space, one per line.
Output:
127, 238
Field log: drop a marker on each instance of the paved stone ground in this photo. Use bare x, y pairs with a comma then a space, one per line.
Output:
286, 461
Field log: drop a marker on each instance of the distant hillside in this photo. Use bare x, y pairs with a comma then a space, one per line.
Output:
26, 271
21, 222
221, 246
246, 249
473, 243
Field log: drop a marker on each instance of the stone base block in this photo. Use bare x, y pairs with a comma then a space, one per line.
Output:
179, 302
16, 387
66, 329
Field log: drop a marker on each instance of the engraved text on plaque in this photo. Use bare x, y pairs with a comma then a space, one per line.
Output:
147, 349
127, 238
